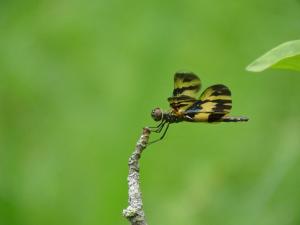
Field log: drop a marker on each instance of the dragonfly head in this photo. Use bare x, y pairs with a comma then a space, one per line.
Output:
157, 114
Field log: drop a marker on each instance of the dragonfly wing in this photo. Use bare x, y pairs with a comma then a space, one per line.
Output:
215, 102
186, 87
186, 83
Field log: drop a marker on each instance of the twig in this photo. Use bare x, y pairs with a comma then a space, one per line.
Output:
134, 212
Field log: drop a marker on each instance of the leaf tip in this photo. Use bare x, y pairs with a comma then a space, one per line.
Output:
252, 67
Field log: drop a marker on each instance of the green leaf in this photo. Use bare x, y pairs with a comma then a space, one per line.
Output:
284, 56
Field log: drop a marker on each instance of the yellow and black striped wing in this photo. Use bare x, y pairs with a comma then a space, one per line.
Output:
215, 102
186, 83
186, 87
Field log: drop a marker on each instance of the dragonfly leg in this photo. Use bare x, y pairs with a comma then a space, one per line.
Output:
158, 128
157, 125
151, 142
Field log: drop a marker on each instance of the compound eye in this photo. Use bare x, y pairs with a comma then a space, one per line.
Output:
156, 114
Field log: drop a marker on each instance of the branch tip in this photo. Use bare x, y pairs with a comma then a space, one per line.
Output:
134, 212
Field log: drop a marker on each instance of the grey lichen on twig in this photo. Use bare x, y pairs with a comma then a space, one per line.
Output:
134, 212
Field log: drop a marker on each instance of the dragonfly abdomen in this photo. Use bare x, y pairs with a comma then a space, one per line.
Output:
234, 119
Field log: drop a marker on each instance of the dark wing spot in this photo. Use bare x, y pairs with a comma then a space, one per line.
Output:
220, 89
220, 107
186, 76
194, 109
182, 98
178, 91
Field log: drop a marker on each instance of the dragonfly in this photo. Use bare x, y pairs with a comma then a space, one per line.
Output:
213, 105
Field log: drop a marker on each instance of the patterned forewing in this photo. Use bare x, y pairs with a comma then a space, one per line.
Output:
214, 103
186, 83
186, 87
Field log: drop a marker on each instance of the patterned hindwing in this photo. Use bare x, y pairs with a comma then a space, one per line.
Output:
217, 98
186, 87
214, 103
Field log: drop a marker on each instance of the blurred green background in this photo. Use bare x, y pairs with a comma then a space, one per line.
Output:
78, 80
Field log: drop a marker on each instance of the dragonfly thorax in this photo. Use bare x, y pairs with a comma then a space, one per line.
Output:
172, 117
